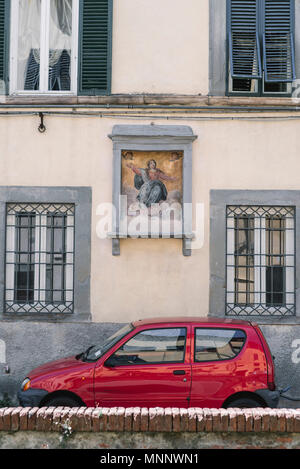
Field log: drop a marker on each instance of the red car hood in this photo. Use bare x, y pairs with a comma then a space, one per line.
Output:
57, 365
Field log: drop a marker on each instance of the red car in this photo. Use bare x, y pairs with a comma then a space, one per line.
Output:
183, 362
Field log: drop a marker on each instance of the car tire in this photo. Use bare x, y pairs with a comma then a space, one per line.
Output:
64, 401
244, 403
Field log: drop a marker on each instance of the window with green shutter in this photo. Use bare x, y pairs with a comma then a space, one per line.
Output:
261, 58
57, 46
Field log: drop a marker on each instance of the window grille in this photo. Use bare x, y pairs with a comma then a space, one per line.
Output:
260, 260
39, 258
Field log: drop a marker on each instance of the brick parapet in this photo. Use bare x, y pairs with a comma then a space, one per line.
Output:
117, 419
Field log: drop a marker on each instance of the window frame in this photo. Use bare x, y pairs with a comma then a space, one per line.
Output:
260, 265
13, 54
39, 254
217, 328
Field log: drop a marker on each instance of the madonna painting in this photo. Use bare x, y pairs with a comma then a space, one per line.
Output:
152, 180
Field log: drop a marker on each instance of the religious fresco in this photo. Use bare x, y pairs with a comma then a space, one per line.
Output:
152, 183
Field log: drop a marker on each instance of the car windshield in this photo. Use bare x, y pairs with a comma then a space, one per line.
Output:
96, 351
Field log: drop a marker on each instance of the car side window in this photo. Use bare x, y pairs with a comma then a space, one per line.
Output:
218, 344
152, 346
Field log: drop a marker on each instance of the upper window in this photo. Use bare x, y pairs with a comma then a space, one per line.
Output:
153, 346
261, 59
57, 46
260, 260
44, 45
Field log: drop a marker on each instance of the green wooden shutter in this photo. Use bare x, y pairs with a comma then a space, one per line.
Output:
95, 47
243, 40
278, 41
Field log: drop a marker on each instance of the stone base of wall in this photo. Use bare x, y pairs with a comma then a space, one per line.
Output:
136, 428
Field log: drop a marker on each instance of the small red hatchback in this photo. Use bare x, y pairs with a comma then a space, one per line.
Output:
183, 362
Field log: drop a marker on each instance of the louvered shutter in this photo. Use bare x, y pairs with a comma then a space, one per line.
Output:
95, 46
2, 39
244, 49
278, 41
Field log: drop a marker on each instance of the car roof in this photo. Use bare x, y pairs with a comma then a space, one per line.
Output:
190, 320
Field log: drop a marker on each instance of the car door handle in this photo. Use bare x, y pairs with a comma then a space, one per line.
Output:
178, 372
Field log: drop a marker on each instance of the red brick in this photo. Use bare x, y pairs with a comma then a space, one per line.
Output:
136, 419
56, 419
176, 419
297, 421
159, 419
31, 418
104, 419
216, 420
192, 419
208, 420
232, 420
81, 421
289, 421
265, 422
184, 420
144, 419
168, 421
112, 419
120, 418
152, 419
128, 419
273, 421
96, 415
281, 422
73, 418
200, 420
15, 419
7, 418
2, 409
24, 418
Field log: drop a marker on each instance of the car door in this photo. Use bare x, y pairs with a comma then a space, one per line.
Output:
151, 369
217, 370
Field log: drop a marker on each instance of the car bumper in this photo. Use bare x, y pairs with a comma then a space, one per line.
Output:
271, 398
32, 397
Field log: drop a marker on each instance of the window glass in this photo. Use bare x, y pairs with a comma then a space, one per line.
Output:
29, 38
218, 344
153, 346
45, 44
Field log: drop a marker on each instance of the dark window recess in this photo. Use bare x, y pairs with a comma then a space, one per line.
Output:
24, 268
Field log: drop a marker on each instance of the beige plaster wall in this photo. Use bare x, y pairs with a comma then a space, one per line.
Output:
160, 46
151, 277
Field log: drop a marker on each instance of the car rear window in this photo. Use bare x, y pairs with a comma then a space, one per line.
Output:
218, 344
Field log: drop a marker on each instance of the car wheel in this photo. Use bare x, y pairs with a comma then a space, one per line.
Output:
244, 403
63, 401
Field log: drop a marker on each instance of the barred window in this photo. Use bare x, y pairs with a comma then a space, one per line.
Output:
39, 258
260, 260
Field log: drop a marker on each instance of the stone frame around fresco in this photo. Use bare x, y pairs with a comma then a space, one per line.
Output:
152, 138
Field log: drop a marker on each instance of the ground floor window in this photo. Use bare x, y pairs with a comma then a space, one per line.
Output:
260, 260
39, 257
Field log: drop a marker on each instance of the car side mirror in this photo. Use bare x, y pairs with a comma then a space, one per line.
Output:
110, 362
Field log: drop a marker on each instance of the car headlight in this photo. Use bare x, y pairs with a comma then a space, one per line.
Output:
25, 385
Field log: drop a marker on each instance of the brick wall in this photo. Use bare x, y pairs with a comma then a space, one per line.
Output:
88, 419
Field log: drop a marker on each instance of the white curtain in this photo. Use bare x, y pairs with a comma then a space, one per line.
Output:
60, 33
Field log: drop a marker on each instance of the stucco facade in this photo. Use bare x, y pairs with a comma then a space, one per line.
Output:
165, 72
